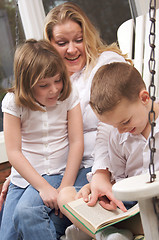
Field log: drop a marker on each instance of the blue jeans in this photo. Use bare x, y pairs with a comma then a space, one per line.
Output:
26, 217
7, 230
129, 204
1, 212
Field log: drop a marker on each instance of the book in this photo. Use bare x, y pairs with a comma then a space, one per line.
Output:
97, 218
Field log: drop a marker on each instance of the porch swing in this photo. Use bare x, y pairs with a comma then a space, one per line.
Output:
144, 188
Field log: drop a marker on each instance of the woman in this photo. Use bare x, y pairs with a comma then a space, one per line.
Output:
78, 42
69, 30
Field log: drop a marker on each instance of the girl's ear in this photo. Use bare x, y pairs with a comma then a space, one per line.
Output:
144, 96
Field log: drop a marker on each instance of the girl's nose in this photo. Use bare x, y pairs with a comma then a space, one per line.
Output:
53, 89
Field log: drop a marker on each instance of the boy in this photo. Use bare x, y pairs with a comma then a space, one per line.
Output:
119, 98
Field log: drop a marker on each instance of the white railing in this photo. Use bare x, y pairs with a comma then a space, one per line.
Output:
32, 15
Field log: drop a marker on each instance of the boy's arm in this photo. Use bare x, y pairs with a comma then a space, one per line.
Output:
12, 133
101, 186
100, 152
76, 146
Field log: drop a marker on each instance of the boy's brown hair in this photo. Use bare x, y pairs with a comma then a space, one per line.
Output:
33, 61
113, 82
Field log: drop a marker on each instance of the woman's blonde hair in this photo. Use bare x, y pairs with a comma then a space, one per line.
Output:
92, 41
34, 60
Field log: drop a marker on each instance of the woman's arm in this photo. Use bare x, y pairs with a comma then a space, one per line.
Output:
12, 134
76, 146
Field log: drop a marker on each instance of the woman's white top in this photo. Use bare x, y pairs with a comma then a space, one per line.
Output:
44, 135
90, 121
130, 154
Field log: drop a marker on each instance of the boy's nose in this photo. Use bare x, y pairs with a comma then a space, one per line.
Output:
121, 130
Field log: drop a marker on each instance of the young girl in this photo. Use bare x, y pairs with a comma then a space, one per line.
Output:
44, 140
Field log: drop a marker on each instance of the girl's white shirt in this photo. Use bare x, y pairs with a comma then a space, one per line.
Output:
130, 154
94, 150
44, 135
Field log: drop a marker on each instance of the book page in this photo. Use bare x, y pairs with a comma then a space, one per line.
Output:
97, 215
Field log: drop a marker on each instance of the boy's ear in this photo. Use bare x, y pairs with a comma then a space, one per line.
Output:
144, 96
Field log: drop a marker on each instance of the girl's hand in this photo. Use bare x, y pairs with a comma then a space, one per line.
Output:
4, 192
84, 193
49, 197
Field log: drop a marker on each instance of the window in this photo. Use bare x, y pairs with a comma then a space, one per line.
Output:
7, 45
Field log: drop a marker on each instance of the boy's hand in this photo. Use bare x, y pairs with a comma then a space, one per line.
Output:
101, 189
84, 193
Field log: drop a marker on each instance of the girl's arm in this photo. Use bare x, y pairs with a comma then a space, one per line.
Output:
12, 134
76, 146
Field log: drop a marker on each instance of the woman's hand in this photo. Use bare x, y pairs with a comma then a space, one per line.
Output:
4, 192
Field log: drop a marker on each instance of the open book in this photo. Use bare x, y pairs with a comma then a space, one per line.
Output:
97, 218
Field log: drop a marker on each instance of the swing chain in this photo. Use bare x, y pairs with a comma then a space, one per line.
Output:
152, 88
16, 23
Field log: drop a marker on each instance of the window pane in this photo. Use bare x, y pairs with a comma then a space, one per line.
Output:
7, 45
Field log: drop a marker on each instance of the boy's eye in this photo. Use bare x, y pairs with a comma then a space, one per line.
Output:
125, 123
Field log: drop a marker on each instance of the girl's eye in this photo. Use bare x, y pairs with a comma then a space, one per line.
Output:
57, 81
43, 86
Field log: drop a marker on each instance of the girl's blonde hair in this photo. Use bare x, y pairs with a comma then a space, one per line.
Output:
92, 41
34, 60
